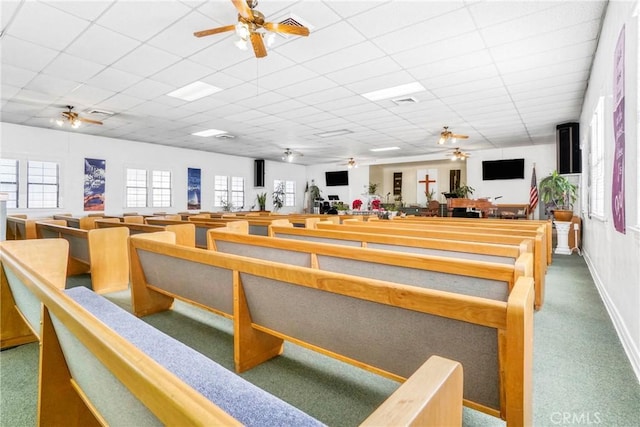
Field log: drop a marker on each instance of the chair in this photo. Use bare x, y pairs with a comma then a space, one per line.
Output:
433, 208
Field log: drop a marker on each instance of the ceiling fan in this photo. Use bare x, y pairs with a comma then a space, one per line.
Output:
289, 155
446, 135
252, 26
74, 119
458, 155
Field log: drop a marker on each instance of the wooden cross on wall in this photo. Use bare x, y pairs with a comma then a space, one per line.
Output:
426, 183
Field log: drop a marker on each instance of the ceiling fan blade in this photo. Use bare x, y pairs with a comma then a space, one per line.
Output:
94, 122
286, 29
214, 31
243, 9
459, 136
258, 45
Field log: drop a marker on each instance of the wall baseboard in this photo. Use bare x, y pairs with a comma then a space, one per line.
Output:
632, 352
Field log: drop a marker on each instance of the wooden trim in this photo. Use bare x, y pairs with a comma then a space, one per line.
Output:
440, 397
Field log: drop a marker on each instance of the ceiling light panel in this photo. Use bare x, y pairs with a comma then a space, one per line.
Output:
393, 92
209, 132
193, 91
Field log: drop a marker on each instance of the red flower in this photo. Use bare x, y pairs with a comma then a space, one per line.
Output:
375, 204
356, 204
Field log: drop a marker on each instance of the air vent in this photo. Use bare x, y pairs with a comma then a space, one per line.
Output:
225, 136
404, 101
294, 20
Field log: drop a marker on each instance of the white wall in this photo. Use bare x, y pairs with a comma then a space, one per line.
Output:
613, 257
70, 149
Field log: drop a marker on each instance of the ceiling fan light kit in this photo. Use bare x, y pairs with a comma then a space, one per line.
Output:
447, 135
73, 119
252, 27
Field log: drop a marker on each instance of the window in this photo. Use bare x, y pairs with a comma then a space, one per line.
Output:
237, 192
596, 160
42, 185
160, 189
9, 181
289, 188
136, 188
220, 191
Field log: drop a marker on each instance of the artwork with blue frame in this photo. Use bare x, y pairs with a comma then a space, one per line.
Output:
193, 189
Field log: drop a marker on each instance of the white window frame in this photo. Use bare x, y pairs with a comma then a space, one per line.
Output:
220, 191
10, 181
161, 189
289, 192
43, 184
136, 191
596, 162
237, 192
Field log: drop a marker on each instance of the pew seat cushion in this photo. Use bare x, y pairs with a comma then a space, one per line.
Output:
244, 401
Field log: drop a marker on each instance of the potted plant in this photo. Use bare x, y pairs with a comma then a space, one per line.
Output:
464, 191
556, 190
262, 200
373, 187
278, 197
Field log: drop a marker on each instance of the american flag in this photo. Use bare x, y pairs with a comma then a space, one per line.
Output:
533, 192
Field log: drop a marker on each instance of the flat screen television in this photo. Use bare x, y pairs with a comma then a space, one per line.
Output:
502, 169
337, 178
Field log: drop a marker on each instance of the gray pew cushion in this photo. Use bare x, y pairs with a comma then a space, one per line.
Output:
239, 398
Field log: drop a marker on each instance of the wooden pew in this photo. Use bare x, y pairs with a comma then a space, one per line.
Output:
83, 223
11, 225
465, 276
24, 228
258, 226
466, 235
201, 228
157, 378
490, 223
185, 233
494, 252
103, 253
387, 328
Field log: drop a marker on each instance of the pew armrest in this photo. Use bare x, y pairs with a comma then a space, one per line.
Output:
432, 396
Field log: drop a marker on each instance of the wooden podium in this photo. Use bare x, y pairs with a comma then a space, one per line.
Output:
481, 205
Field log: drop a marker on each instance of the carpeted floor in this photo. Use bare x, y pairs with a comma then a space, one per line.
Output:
581, 374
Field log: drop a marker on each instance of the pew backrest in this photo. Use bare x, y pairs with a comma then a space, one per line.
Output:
376, 321
470, 277
101, 252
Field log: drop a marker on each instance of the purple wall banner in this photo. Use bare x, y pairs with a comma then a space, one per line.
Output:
94, 183
193, 189
617, 185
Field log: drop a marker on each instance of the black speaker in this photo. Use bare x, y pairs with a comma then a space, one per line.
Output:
258, 170
569, 154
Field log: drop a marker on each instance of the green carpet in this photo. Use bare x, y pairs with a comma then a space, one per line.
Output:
581, 374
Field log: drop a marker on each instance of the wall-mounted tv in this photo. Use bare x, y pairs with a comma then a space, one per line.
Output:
337, 178
502, 169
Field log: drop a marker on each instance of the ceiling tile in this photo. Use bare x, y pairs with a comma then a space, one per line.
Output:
113, 79
142, 20
33, 23
88, 10
23, 54
102, 45
146, 61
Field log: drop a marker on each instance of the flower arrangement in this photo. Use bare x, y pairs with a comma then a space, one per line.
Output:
375, 204
356, 204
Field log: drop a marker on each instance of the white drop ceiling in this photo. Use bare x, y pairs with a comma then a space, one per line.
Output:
503, 72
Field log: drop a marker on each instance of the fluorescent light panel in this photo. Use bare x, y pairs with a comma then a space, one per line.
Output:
393, 92
334, 133
193, 91
385, 149
209, 132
